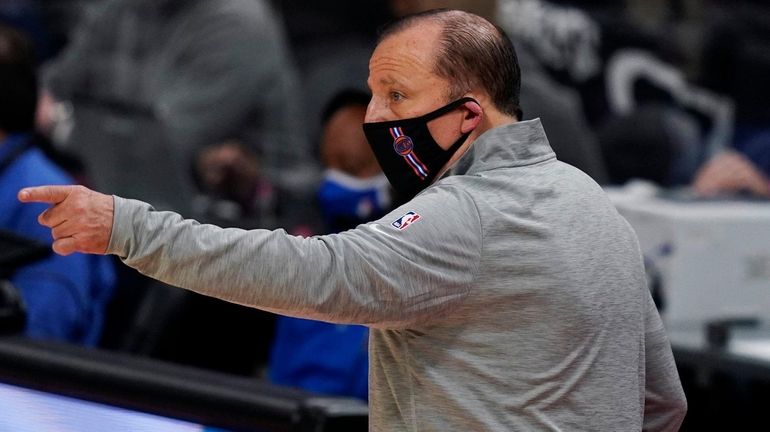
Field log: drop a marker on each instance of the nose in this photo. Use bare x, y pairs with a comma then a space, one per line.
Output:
376, 111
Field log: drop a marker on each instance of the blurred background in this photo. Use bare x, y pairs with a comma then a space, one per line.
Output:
248, 113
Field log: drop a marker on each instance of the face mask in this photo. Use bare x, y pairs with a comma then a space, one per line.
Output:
348, 201
407, 153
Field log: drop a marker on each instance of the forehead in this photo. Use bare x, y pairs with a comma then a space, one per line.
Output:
409, 53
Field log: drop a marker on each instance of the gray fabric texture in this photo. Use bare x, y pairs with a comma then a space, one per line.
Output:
516, 302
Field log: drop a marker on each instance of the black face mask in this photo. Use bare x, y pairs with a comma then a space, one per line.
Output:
407, 152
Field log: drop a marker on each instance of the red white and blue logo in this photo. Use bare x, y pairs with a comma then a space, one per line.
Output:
404, 146
404, 221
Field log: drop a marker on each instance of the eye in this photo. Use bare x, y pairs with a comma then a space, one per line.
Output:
396, 96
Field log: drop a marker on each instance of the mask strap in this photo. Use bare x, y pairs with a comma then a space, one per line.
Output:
459, 142
443, 110
447, 108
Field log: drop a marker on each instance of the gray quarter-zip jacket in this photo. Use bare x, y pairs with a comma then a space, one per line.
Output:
508, 296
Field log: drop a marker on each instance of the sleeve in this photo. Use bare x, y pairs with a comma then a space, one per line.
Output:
410, 266
665, 405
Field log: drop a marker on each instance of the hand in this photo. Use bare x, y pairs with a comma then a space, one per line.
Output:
229, 170
730, 172
80, 219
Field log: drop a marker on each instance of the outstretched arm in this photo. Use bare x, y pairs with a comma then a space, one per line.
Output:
377, 274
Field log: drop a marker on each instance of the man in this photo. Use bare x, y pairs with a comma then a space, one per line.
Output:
65, 297
153, 83
507, 295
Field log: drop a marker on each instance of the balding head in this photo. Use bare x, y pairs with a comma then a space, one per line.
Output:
472, 54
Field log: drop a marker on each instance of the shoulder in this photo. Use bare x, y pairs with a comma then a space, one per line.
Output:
444, 208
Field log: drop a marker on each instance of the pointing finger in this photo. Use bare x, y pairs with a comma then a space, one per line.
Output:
45, 194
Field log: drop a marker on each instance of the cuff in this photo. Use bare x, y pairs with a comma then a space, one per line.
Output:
122, 237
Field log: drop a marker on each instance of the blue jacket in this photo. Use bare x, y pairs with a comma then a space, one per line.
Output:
322, 357
65, 296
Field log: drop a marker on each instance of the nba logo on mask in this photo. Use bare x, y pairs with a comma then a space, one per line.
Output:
404, 221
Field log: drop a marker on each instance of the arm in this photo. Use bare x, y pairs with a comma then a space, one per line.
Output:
665, 404
376, 274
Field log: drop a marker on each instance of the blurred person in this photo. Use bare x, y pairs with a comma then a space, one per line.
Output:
65, 297
735, 63
324, 357
575, 39
354, 189
236, 186
152, 83
560, 109
505, 294
331, 42
648, 120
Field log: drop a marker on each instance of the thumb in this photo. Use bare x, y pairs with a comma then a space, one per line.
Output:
45, 194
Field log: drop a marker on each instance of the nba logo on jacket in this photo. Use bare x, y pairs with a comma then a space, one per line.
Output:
404, 221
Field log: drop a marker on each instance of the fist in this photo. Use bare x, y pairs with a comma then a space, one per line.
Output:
80, 219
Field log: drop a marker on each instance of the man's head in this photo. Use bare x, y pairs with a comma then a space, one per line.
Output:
18, 83
425, 60
439, 79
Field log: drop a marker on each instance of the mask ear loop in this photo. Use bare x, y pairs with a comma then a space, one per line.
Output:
464, 137
447, 108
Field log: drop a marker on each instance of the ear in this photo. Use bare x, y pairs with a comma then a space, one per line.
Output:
473, 116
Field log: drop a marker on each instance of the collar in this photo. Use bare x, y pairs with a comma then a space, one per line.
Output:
516, 144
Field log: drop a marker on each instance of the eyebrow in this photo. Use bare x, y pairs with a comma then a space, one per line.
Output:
384, 81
